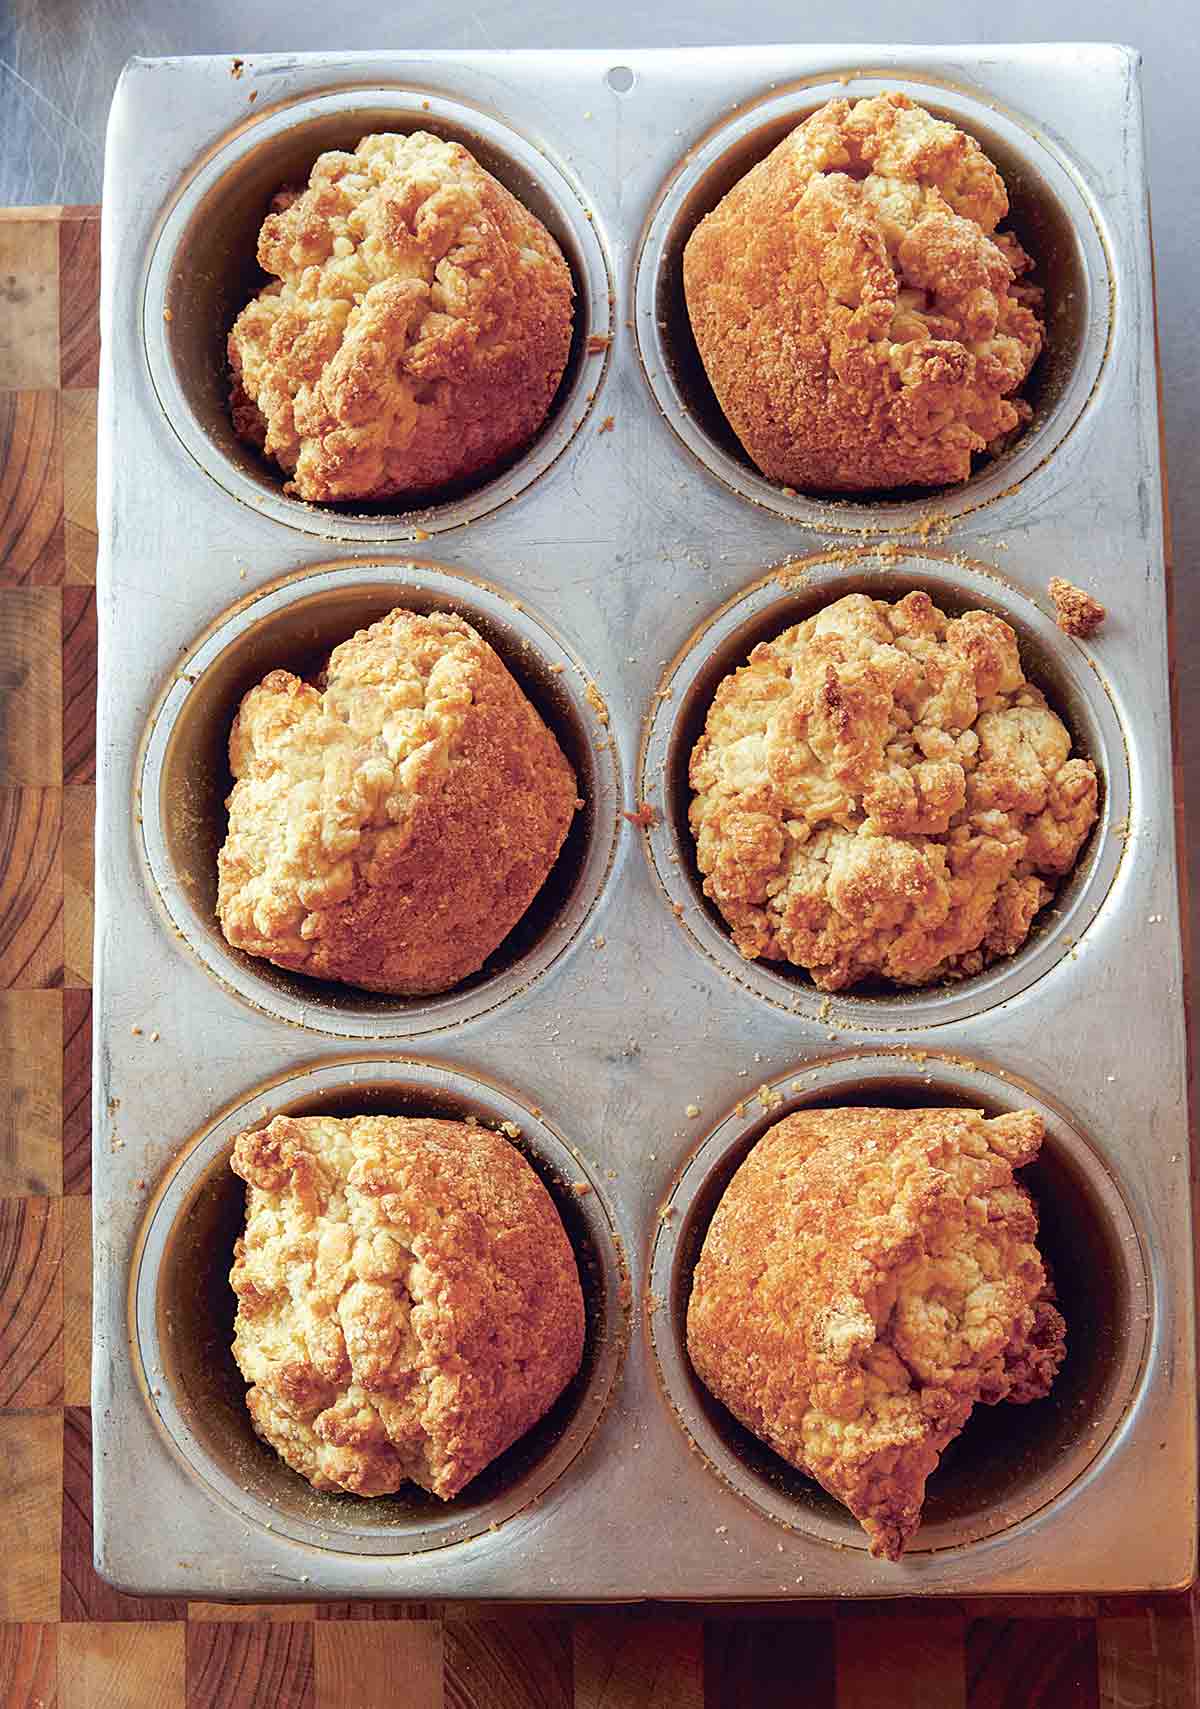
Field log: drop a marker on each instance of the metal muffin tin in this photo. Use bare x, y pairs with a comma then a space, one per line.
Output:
620, 565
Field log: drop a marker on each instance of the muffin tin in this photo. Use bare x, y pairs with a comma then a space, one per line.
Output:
621, 565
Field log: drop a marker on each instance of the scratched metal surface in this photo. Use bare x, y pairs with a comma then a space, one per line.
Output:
635, 1048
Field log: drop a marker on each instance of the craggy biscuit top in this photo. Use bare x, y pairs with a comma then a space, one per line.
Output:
416, 328
1076, 612
857, 311
408, 1300
389, 828
879, 791
867, 1277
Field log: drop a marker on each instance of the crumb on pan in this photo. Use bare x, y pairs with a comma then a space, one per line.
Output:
408, 1300
389, 828
644, 818
868, 1276
1075, 611
880, 792
415, 329
862, 321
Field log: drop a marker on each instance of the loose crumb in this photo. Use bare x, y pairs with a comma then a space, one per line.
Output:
136, 1031
692, 1111
598, 942
511, 1129
597, 342
645, 818
581, 1189
154, 1036
167, 315
607, 425
236, 69
252, 97
421, 534
595, 700
1075, 611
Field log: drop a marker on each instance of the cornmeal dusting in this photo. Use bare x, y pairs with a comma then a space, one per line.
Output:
868, 1276
879, 791
408, 1300
415, 330
858, 313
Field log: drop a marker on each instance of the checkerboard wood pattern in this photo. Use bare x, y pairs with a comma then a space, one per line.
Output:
67, 1639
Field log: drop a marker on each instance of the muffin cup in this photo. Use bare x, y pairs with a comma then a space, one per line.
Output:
1055, 664
203, 271
1052, 215
1011, 1461
182, 1310
185, 779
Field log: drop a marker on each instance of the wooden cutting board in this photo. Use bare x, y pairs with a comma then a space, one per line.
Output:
66, 1639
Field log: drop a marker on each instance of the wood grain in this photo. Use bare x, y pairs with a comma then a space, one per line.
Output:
31, 1302
122, 1667
30, 1093
78, 433
252, 1611
78, 684
28, 1667
631, 1661
372, 1666
77, 1301
85, 1595
513, 1661
30, 1500
29, 305
31, 939
78, 861
922, 1654
76, 1071
244, 1666
1148, 1656
79, 297
365, 1610
32, 536
749, 1661
1032, 1664
31, 697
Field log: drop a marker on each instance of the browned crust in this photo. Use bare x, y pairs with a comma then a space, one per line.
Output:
409, 1303
1075, 611
868, 1276
449, 854
854, 307
428, 352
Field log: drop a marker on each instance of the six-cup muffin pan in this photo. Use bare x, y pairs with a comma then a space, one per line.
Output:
621, 565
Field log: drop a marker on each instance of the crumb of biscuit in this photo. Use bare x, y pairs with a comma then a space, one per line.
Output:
869, 1276
879, 792
368, 839
596, 701
415, 329
598, 342
408, 1301
645, 818
237, 67
607, 425
1075, 611
581, 1189
862, 320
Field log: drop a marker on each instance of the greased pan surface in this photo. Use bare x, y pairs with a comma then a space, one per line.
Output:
621, 565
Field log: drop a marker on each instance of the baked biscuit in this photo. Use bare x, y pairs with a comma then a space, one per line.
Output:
868, 1276
415, 330
880, 792
859, 316
390, 827
408, 1300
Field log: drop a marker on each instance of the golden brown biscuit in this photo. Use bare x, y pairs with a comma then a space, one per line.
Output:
867, 1277
408, 1300
390, 828
855, 308
879, 791
416, 328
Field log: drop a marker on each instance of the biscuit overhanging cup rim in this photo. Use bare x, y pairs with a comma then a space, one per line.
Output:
201, 1410
182, 778
1013, 1465
1047, 189
188, 303
1058, 665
